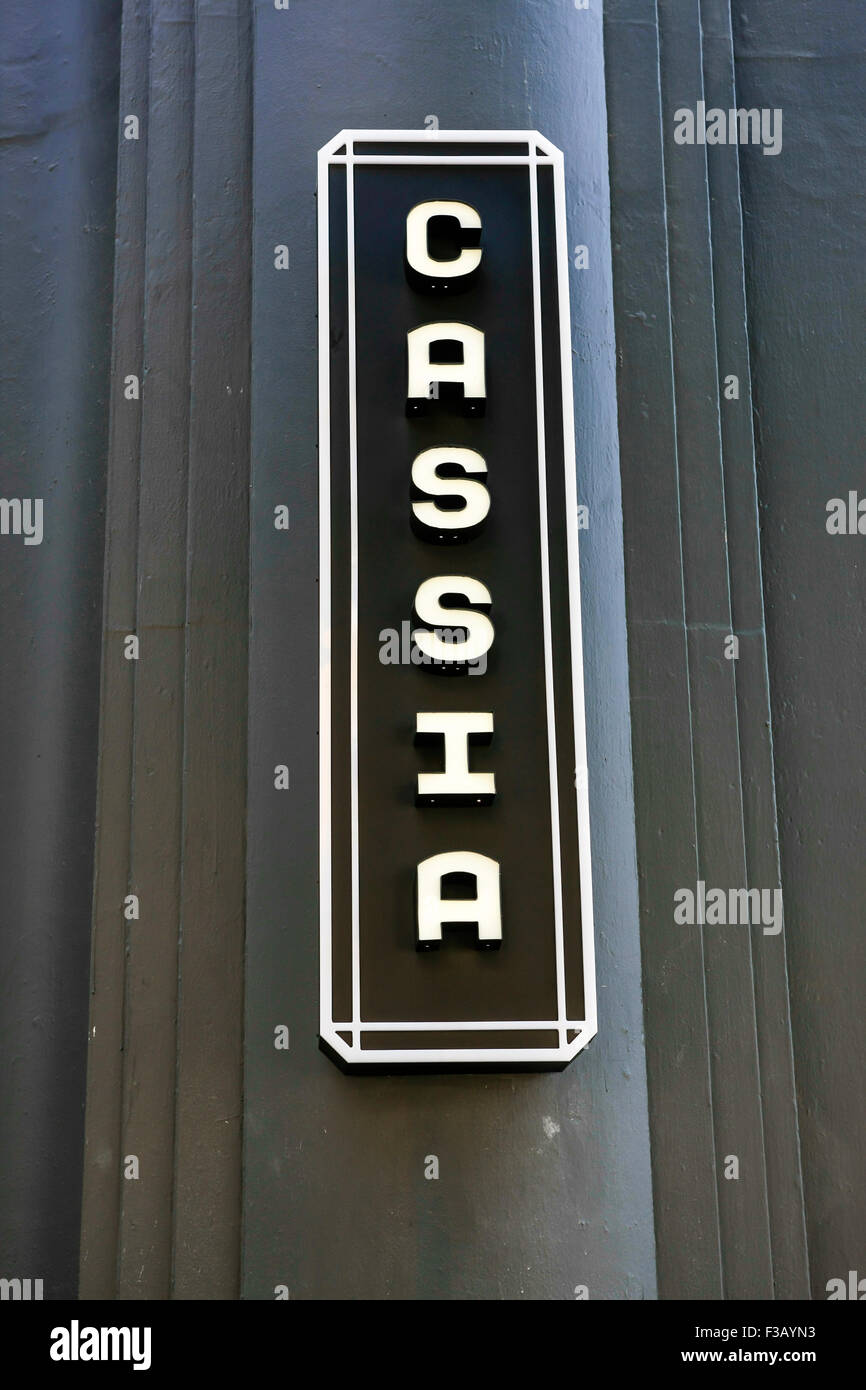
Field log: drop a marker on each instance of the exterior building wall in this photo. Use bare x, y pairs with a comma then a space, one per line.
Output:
144, 840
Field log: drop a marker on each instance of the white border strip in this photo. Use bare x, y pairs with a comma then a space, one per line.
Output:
473, 159
353, 620
326, 1009
581, 774
476, 1025
550, 699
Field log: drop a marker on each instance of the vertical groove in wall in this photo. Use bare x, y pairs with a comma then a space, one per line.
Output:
772, 1005
103, 1125
738, 1120
678, 1052
209, 1066
804, 229
693, 221
144, 1255
164, 1082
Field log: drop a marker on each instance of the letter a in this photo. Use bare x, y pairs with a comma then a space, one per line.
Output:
468, 372
483, 910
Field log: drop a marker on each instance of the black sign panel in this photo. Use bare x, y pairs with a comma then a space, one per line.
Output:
456, 905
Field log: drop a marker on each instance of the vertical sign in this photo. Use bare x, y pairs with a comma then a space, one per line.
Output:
456, 900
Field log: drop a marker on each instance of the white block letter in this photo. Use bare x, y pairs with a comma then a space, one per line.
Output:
428, 606
482, 911
456, 784
437, 523
424, 372
435, 273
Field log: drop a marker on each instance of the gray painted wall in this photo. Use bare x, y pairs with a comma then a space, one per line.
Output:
610, 1174
164, 1062
57, 162
805, 233
544, 1180
719, 1053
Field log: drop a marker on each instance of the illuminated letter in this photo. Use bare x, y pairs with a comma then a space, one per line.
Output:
435, 523
456, 784
428, 606
483, 910
433, 273
467, 372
